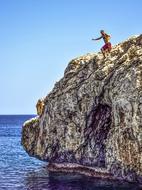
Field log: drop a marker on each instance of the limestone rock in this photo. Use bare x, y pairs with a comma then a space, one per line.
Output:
93, 116
40, 107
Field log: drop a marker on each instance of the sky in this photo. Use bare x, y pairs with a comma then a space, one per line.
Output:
38, 38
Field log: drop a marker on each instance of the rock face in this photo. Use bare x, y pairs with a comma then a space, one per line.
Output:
93, 116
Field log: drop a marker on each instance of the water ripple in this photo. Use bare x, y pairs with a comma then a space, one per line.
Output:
18, 171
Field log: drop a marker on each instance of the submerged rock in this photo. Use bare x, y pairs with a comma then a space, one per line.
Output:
93, 116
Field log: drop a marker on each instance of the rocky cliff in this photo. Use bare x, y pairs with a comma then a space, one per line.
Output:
93, 116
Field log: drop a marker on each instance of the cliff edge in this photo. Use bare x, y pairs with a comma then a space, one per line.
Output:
92, 119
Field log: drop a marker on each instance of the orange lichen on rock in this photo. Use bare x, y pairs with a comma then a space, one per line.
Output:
40, 107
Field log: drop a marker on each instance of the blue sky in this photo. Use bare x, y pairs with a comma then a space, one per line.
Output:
39, 37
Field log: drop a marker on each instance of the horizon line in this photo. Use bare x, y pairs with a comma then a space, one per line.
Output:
17, 114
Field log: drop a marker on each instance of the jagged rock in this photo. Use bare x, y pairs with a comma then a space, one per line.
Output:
93, 116
40, 107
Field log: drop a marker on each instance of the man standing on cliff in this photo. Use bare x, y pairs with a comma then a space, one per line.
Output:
107, 47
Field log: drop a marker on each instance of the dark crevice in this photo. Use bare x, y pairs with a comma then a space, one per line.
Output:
98, 123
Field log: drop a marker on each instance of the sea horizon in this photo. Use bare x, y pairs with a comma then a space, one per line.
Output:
17, 114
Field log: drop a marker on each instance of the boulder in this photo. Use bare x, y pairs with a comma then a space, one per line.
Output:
93, 115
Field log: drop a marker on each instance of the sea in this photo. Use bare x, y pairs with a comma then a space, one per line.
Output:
19, 171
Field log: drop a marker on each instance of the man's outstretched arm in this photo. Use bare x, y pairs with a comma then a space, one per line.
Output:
97, 38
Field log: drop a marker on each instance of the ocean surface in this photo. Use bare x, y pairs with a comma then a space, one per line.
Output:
18, 171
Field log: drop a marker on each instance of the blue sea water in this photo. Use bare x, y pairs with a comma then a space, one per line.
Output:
18, 171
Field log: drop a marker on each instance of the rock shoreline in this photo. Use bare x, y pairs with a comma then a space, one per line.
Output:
79, 169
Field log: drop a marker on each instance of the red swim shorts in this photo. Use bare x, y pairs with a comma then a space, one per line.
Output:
107, 46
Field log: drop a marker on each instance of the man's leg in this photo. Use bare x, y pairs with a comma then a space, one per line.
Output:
103, 52
107, 51
109, 48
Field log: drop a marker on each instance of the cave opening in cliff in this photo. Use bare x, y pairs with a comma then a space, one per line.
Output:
98, 125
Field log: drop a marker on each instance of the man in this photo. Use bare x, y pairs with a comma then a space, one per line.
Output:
107, 47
